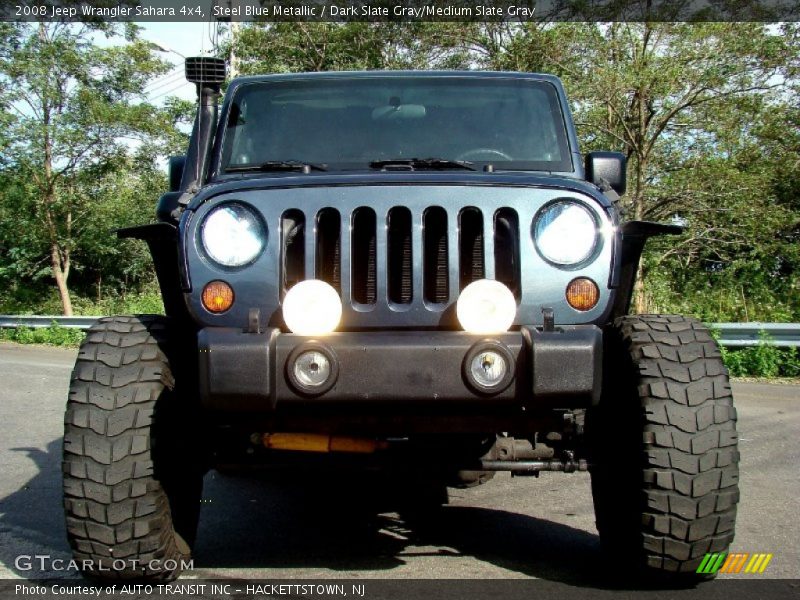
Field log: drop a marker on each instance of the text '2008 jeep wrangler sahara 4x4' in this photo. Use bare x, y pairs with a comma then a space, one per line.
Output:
414, 271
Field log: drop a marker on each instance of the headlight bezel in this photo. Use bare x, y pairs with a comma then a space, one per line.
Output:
210, 256
597, 238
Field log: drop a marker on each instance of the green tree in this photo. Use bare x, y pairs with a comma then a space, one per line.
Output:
679, 100
663, 94
286, 47
74, 107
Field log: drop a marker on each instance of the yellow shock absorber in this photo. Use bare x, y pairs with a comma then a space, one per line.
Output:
318, 442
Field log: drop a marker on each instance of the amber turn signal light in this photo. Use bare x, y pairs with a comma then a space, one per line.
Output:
582, 294
217, 296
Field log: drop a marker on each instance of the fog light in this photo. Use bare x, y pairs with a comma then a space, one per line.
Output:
486, 306
312, 368
312, 307
582, 294
217, 296
488, 367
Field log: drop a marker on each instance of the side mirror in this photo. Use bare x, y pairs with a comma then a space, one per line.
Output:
607, 168
176, 164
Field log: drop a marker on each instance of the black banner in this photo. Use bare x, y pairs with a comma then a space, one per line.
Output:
381, 589
400, 10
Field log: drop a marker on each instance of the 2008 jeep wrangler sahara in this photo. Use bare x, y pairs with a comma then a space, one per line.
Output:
409, 270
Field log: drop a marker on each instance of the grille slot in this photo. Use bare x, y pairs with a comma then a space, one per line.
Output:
435, 262
293, 226
399, 256
363, 256
329, 247
367, 261
506, 249
470, 241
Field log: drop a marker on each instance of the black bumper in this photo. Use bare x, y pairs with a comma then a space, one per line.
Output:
420, 371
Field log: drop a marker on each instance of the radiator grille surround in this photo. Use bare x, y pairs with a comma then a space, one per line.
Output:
400, 255
397, 255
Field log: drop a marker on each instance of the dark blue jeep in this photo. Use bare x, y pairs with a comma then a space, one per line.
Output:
415, 272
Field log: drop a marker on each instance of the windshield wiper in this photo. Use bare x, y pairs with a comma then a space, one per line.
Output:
422, 163
279, 165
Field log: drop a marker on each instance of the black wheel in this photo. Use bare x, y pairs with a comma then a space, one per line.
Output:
665, 460
131, 483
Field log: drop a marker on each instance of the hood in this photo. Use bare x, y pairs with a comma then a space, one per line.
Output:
262, 181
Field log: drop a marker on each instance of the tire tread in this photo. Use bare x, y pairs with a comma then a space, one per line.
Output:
689, 457
115, 507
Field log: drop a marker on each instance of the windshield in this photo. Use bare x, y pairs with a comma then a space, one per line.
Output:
345, 124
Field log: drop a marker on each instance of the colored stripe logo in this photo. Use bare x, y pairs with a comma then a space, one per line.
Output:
734, 562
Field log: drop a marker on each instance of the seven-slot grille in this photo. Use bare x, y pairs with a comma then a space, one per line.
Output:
400, 258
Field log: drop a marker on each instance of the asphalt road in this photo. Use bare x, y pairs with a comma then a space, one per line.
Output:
508, 528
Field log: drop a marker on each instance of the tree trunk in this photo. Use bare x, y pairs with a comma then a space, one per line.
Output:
60, 274
640, 304
639, 294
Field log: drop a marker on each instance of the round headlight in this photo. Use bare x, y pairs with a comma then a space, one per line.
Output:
232, 235
565, 233
312, 307
486, 306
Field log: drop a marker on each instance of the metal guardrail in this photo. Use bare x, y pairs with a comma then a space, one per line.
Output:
739, 335
731, 335
37, 322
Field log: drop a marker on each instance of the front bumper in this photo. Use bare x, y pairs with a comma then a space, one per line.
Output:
395, 372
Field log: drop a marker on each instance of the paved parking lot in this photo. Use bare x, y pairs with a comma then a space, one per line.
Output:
255, 528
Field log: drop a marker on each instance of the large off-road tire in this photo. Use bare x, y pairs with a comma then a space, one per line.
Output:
664, 448
132, 484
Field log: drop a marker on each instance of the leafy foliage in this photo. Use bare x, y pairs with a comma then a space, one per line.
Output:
73, 111
54, 335
764, 360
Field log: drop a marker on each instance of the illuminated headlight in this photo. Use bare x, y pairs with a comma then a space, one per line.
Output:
486, 306
312, 307
312, 368
489, 367
565, 233
232, 235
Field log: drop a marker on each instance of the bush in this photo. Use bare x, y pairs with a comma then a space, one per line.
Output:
54, 335
763, 360
23, 301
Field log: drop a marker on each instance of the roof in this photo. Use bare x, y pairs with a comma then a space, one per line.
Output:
398, 74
